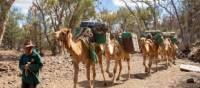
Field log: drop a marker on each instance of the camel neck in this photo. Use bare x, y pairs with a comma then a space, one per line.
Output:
74, 47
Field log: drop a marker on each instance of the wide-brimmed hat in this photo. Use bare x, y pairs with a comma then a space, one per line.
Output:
28, 44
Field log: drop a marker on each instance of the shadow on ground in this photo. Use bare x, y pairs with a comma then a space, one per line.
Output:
137, 76
98, 84
145, 75
160, 67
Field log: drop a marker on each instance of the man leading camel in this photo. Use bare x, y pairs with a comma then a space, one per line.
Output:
30, 64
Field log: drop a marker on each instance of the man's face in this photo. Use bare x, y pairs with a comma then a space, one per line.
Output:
28, 50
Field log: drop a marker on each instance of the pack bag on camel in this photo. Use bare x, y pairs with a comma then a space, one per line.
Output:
98, 36
127, 42
98, 29
172, 36
156, 35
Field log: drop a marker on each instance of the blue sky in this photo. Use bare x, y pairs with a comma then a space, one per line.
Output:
24, 5
111, 5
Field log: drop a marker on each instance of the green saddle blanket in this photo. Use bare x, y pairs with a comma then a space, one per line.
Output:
93, 54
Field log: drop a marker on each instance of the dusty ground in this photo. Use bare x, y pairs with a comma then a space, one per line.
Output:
58, 73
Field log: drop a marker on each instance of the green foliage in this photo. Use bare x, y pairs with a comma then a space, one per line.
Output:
14, 34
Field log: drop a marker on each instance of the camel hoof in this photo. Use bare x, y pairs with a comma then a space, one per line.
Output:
156, 70
105, 84
118, 78
129, 77
113, 81
74, 86
174, 63
167, 66
110, 75
149, 72
146, 70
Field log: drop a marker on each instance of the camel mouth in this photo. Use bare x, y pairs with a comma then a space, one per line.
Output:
55, 35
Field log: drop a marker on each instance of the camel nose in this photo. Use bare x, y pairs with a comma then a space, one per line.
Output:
54, 34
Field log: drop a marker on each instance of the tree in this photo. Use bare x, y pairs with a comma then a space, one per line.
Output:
144, 14
56, 13
192, 13
5, 6
127, 20
14, 34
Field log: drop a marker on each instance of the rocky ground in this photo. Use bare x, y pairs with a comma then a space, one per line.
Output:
58, 73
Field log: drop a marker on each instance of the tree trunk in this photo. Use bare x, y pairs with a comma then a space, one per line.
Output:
154, 16
45, 27
184, 39
2, 30
4, 7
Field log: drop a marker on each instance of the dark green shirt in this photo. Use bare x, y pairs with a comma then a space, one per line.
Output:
32, 75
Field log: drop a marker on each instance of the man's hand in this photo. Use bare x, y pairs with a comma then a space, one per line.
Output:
26, 67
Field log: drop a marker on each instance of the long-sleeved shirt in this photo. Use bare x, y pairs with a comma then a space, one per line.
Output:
32, 75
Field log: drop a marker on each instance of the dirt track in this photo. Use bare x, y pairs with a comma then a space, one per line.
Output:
58, 73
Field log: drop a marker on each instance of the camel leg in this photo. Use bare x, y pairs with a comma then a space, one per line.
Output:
144, 63
170, 60
115, 70
120, 69
129, 68
156, 60
94, 73
174, 59
76, 69
88, 75
150, 63
102, 71
107, 69
167, 61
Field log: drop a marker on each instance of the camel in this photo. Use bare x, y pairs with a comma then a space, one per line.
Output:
149, 50
114, 51
173, 53
166, 50
79, 52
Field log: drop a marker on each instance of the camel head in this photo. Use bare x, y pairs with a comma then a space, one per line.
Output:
142, 41
62, 35
167, 43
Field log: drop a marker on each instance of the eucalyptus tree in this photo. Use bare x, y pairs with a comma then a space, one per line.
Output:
5, 6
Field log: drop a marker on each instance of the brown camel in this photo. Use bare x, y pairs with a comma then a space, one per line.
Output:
114, 51
166, 51
174, 52
79, 52
149, 50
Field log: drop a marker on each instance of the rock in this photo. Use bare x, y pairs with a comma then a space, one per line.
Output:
189, 68
190, 80
10, 82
